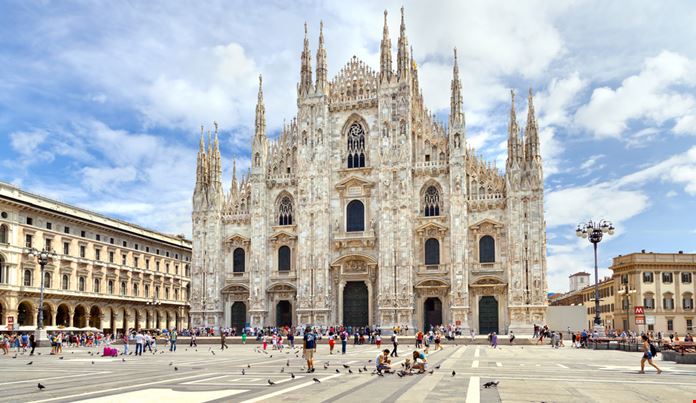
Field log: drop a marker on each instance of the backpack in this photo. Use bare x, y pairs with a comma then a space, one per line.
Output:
653, 350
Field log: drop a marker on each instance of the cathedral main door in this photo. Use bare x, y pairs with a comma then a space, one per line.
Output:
433, 313
283, 313
238, 316
355, 304
488, 315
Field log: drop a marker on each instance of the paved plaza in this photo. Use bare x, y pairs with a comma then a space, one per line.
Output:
525, 373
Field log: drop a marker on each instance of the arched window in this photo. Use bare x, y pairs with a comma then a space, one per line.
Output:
487, 249
284, 258
257, 160
687, 301
65, 282
4, 234
81, 283
432, 251
668, 301
3, 276
147, 291
122, 290
96, 286
431, 202
285, 211
47, 280
110, 287
135, 289
355, 216
238, 260
27, 278
356, 146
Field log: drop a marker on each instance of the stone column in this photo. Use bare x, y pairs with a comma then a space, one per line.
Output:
370, 304
341, 285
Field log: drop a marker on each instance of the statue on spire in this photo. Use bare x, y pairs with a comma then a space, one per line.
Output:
260, 111
385, 57
306, 67
403, 62
322, 81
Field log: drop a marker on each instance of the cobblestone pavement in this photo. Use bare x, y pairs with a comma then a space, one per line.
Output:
525, 373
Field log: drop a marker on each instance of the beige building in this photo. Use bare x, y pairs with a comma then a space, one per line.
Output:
579, 280
663, 283
367, 210
107, 274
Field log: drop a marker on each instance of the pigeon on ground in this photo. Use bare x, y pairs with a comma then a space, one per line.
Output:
176, 368
131, 353
350, 371
123, 359
292, 375
270, 356
287, 363
365, 368
248, 365
282, 369
171, 363
270, 382
454, 373
337, 371
92, 362
431, 371
491, 384
369, 360
72, 352
213, 352
346, 366
60, 358
30, 362
316, 380
326, 366
40, 386
437, 366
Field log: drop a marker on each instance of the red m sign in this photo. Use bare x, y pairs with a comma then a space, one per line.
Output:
639, 310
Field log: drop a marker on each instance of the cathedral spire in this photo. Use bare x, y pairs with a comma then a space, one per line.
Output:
321, 83
217, 171
200, 160
403, 66
260, 112
385, 57
235, 186
531, 133
306, 67
513, 134
456, 115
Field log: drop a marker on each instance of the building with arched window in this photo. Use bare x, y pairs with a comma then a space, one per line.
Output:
367, 210
94, 255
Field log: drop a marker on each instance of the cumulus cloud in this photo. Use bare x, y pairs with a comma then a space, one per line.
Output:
661, 92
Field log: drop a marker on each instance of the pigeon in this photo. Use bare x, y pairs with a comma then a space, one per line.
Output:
270, 382
326, 366
287, 363
176, 368
123, 359
365, 368
369, 360
491, 384
14, 356
92, 362
131, 353
40, 386
282, 370
337, 371
30, 362
270, 356
170, 364
39, 353
360, 370
60, 358
350, 371
292, 375
437, 366
316, 380
431, 371
346, 366
72, 352
454, 373
213, 352
248, 365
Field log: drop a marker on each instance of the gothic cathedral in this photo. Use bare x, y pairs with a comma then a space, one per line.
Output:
368, 211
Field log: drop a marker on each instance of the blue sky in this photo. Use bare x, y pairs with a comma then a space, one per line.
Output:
101, 102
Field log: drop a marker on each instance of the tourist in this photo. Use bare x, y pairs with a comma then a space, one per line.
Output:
265, 342
223, 344
32, 344
419, 362
139, 341
309, 348
172, 340
512, 337
649, 352
383, 362
244, 337
378, 340
494, 340
419, 339
193, 341
472, 332
395, 343
332, 338
438, 345
148, 342
124, 338
344, 341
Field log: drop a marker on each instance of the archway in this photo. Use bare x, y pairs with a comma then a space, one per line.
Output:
283, 313
25, 316
433, 313
80, 317
63, 316
137, 320
124, 317
95, 317
238, 316
47, 315
355, 304
166, 320
148, 318
157, 320
488, 315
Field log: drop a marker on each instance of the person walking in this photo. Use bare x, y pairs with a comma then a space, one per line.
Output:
139, 341
395, 343
649, 352
148, 342
309, 348
244, 336
223, 344
344, 341
494, 340
172, 340
124, 338
512, 337
193, 341
332, 341
32, 343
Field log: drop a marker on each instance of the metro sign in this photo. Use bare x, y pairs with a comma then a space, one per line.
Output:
639, 310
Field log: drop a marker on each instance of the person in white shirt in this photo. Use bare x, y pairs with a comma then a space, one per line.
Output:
139, 341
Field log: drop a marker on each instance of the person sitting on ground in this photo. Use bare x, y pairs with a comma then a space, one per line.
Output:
419, 362
383, 362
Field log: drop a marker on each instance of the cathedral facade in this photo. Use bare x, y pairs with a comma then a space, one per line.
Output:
368, 211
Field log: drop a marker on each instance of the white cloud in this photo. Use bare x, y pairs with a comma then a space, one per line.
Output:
553, 103
679, 169
658, 94
98, 179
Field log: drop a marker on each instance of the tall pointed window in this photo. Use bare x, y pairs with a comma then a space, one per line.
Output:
356, 146
431, 202
4, 238
285, 211
487, 249
238, 260
284, 258
432, 251
355, 216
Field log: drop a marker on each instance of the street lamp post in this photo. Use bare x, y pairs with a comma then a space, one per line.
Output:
42, 257
626, 291
594, 231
